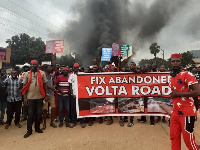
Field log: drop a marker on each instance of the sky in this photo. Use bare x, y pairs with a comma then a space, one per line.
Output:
177, 28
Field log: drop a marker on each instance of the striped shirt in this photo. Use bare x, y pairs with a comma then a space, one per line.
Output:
63, 84
13, 88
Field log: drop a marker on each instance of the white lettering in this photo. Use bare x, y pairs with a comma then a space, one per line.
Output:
88, 90
135, 90
122, 90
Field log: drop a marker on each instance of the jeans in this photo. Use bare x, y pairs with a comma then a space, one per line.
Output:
63, 101
13, 107
131, 119
2, 109
34, 113
73, 112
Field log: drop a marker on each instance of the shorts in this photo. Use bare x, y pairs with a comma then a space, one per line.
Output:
52, 103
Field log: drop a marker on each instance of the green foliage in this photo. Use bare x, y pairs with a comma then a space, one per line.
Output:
187, 57
154, 49
25, 48
158, 61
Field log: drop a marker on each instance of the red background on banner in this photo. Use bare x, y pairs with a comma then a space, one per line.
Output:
85, 81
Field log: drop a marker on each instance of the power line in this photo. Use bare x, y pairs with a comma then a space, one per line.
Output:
9, 30
32, 6
33, 14
20, 25
17, 29
23, 18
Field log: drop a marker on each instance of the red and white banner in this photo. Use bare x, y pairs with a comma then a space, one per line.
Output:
123, 85
55, 46
123, 94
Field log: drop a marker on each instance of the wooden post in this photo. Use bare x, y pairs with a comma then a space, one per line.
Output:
54, 62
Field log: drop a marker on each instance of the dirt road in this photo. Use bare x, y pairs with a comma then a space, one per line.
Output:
141, 136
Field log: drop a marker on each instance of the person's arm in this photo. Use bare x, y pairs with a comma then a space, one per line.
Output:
59, 90
194, 93
70, 86
96, 63
71, 90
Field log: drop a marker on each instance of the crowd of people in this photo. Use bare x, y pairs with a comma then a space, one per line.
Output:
37, 92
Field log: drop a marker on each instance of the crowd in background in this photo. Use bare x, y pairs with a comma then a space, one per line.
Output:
59, 103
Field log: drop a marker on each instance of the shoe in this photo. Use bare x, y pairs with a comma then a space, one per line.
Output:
110, 121
44, 127
141, 120
38, 131
151, 123
72, 125
121, 123
53, 125
19, 125
90, 123
130, 124
7, 126
27, 134
100, 120
55, 120
83, 125
164, 121
61, 124
67, 124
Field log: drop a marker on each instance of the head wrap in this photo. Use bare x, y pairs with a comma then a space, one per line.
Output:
34, 62
65, 68
176, 56
76, 65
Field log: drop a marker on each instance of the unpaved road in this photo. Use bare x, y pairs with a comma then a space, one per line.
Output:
141, 136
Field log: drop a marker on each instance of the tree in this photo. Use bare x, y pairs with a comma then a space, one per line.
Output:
25, 48
154, 49
187, 57
158, 61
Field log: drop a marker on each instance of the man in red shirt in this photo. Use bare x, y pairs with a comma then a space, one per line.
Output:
184, 86
62, 85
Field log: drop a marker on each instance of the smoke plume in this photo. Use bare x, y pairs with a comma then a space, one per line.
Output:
100, 23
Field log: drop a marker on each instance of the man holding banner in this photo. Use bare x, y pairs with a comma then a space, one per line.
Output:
184, 86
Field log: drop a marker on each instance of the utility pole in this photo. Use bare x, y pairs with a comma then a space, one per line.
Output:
163, 53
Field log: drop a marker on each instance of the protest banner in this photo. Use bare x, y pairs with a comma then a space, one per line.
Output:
115, 49
130, 53
124, 50
5, 54
123, 94
106, 54
55, 46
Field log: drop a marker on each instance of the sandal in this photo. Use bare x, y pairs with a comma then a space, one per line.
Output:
53, 125
7, 126
19, 125
44, 127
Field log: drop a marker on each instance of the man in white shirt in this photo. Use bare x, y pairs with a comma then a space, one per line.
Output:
73, 89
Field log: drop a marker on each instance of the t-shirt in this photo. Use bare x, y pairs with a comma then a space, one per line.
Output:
181, 83
50, 84
33, 91
63, 84
73, 80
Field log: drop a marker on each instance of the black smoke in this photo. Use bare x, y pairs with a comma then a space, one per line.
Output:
100, 23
